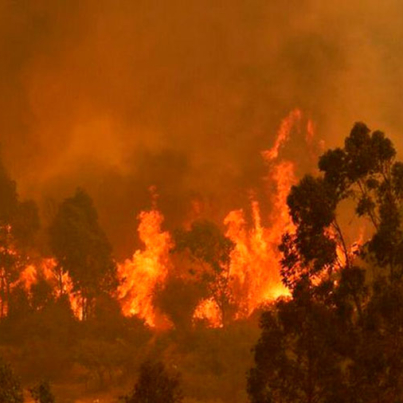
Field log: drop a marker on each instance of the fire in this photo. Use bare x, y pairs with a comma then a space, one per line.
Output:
347, 253
61, 283
283, 134
147, 268
208, 310
29, 277
254, 266
31, 272
252, 277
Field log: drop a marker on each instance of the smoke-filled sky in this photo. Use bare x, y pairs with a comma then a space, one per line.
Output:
118, 95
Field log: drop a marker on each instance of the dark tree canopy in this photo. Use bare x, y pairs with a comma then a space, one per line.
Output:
178, 298
82, 249
10, 389
42, 393
338, 339
211, 249
155, 385
206, 243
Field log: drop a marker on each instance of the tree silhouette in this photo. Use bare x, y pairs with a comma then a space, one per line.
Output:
82, 249
210, 249
155, 385
339, 337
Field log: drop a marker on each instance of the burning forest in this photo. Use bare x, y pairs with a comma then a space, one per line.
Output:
192, 209
232, 259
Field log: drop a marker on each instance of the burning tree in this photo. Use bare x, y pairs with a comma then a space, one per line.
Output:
338, 338
82, 250
211, 250
18, 224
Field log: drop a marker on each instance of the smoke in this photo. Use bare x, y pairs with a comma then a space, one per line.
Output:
116, 96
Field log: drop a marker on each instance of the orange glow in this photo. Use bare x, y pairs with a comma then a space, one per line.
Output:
254, 267
46, 269
28, 277
208, 311
148, 268
347, 256
283, 134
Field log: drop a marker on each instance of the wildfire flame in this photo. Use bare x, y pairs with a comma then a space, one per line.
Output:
62, 284
148, 268
254, 266
253, 270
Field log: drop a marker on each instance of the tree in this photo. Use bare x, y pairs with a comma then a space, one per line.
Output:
42, 393
293, 358
101, 358
155, 385
211, 250
178, 298
82, 250
18, 224
345, 306
10, 389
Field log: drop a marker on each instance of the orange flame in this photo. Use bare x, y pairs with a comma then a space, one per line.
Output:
208, 311
147, 269
47, 270
283, 134
254, 275
254, 266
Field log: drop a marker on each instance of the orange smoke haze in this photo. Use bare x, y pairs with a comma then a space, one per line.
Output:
118, 96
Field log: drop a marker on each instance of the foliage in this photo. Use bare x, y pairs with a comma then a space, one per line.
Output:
211, 250
42, 393
178, 298
82, 249
18, 224
339, 337
155, 385
10, 389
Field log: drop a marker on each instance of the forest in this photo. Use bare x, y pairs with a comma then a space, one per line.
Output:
333, 334
192, 209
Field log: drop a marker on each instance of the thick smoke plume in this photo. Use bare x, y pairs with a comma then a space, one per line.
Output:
116, 96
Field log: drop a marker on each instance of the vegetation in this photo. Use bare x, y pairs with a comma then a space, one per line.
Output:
18, 223
82, 249
210, 249
339, 338
336, 338
42, 393
10, 389
155, 385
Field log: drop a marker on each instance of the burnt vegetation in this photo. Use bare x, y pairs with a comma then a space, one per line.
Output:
337, 336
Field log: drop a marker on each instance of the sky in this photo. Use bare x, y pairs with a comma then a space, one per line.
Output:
117, 96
